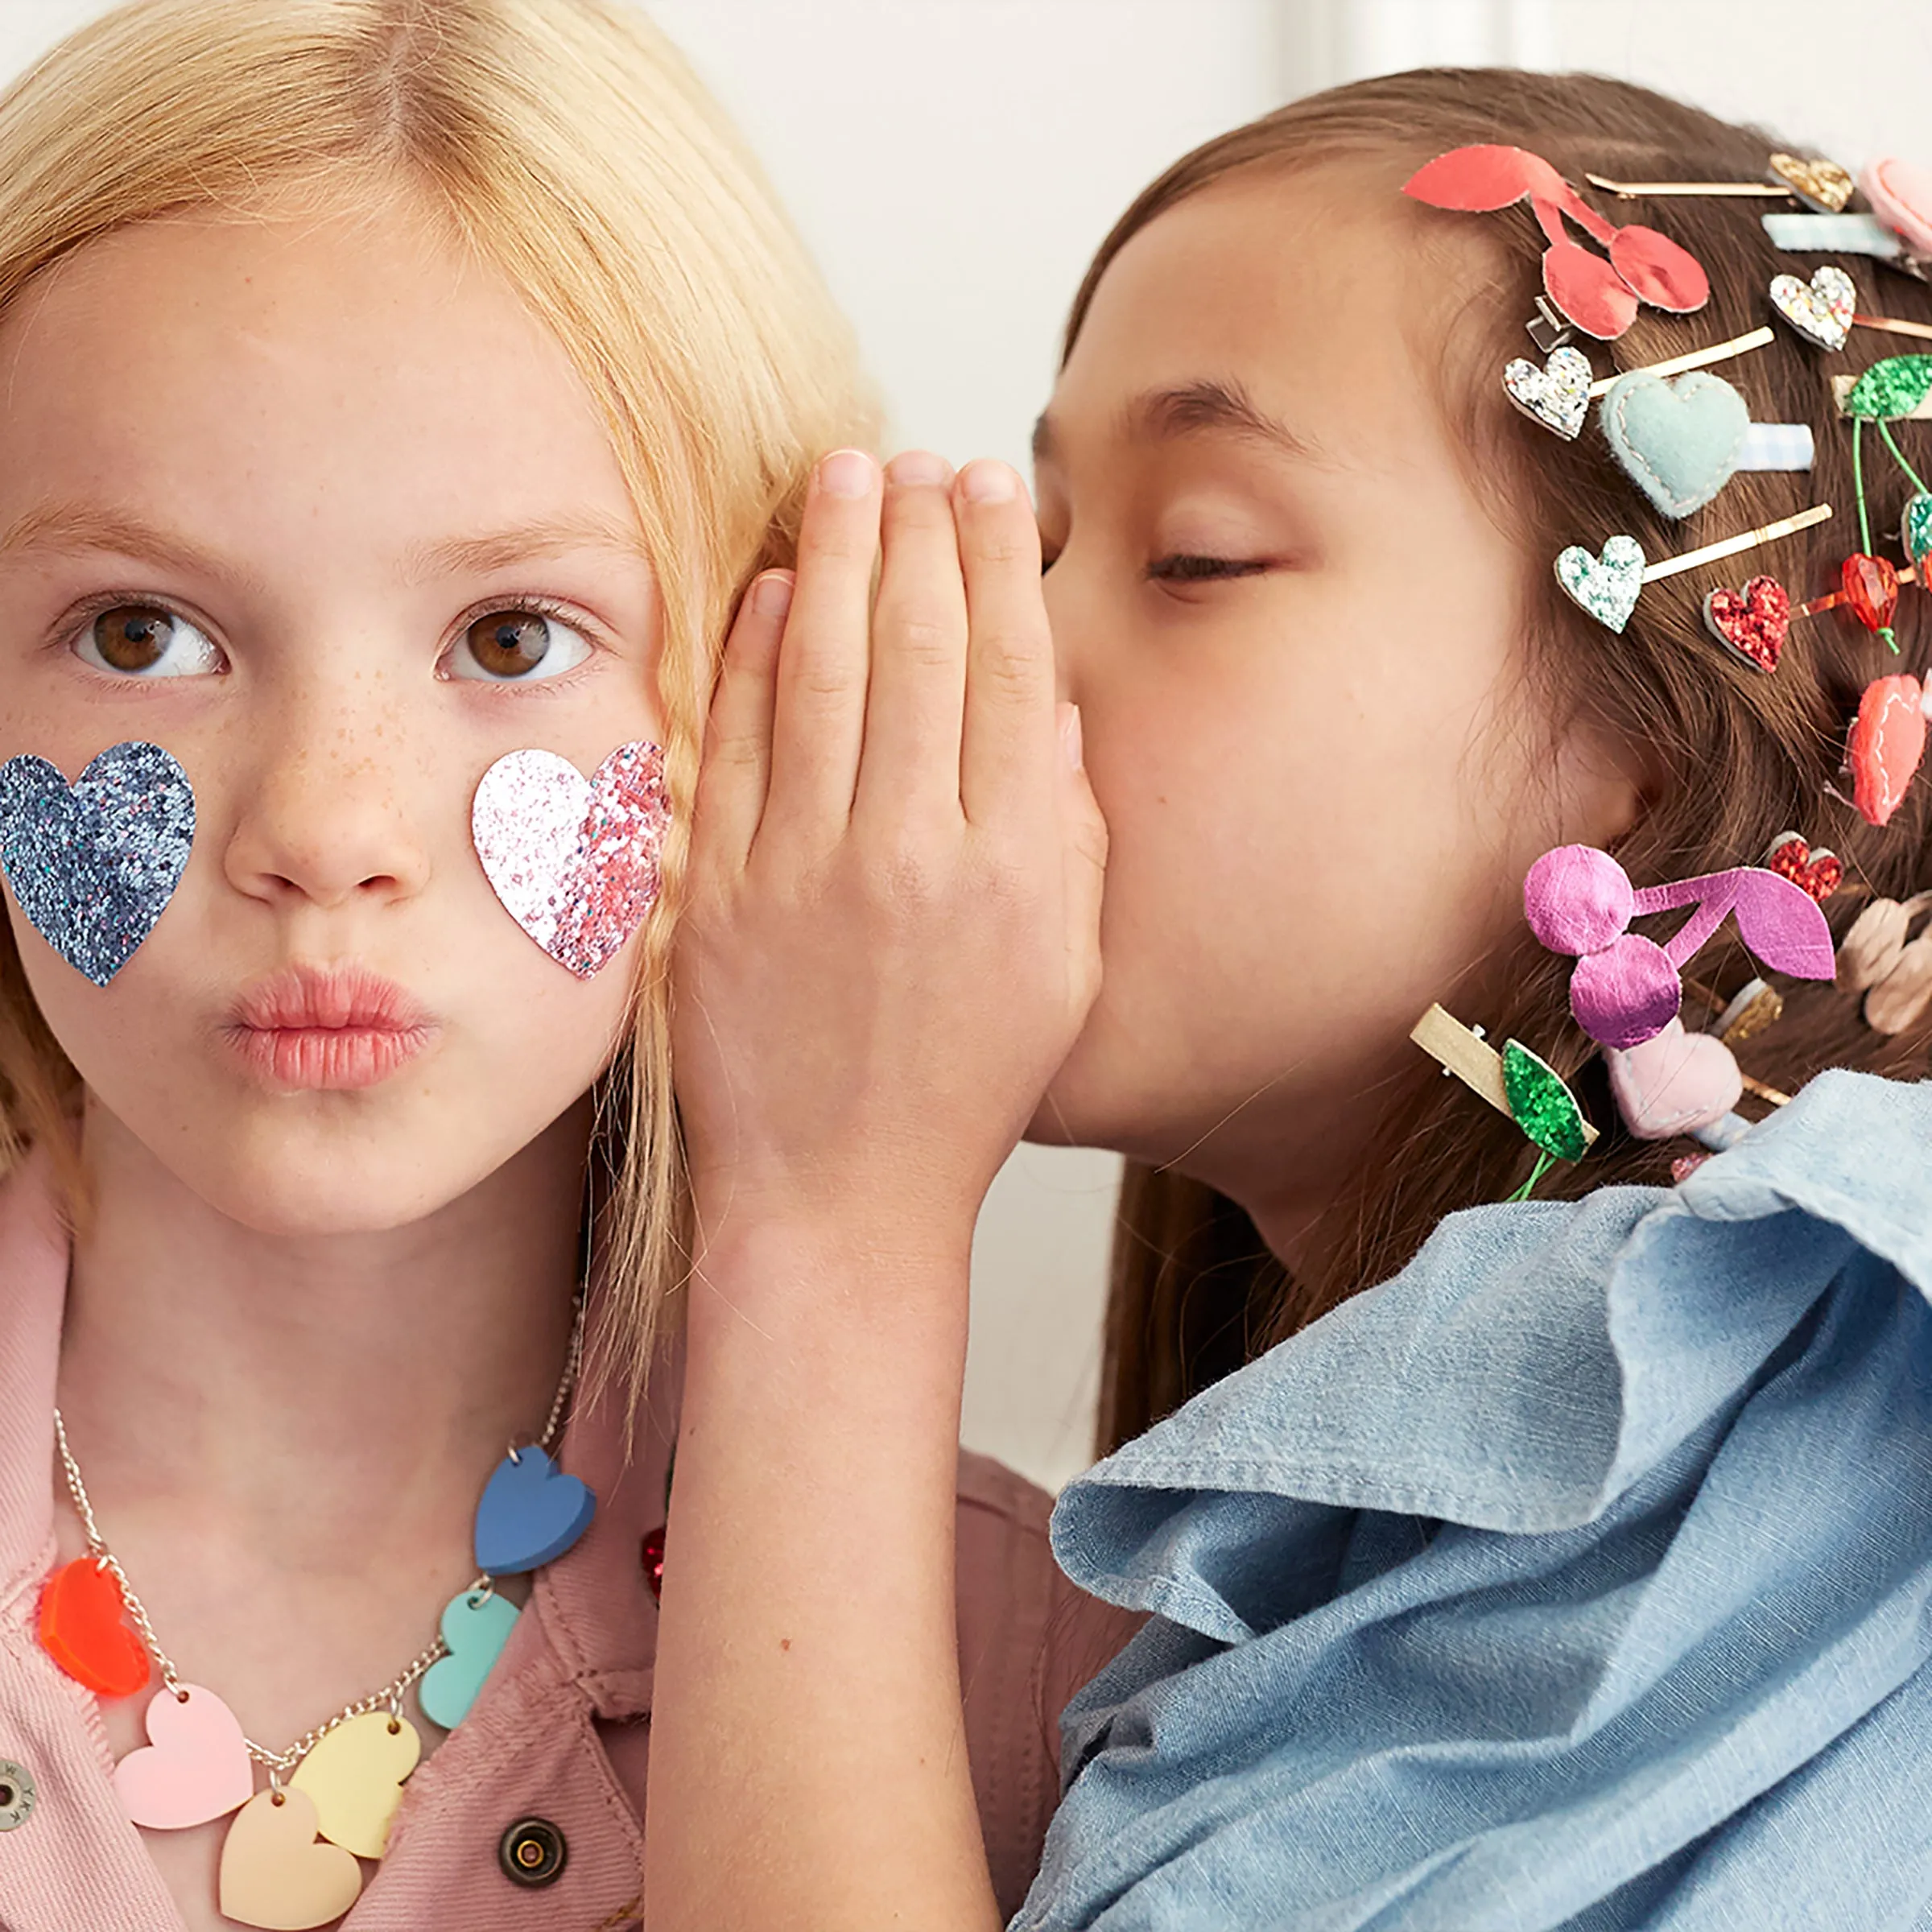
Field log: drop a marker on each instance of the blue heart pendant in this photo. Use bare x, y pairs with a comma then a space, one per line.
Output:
529, 1514
94, 864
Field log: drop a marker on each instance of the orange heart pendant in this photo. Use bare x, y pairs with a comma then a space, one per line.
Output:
274, 1874
84, 1628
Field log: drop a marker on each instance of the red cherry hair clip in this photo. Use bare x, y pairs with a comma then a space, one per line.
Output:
1599, 297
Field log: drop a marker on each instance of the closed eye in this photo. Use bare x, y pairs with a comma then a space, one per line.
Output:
1183, 567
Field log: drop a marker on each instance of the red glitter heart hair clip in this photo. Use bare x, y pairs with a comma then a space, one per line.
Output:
1599, 297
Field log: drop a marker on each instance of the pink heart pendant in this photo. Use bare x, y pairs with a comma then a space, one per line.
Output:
194, 1767
1674, 1083
574, 859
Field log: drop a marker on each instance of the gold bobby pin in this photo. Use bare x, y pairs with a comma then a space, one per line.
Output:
1784, 526
1819, 183
1695, 358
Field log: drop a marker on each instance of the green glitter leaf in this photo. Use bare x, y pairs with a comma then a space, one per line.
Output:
1892, 388
1541, 1104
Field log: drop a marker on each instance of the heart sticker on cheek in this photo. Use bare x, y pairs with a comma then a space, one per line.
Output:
574, 859
93, 865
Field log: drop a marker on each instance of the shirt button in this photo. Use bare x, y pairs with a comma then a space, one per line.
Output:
533, 1852
16, 1794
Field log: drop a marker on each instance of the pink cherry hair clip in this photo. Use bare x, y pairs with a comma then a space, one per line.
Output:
1625, 989
1599, 297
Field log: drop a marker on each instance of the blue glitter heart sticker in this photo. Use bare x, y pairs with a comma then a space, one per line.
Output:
94, 864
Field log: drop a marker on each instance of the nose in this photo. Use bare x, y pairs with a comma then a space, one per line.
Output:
322, 817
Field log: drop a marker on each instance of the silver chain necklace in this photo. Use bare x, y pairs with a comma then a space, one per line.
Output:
278, 1764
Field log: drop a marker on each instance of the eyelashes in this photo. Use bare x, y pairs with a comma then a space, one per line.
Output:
1186, 568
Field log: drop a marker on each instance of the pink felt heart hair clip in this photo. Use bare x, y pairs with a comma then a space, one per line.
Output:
1624, 988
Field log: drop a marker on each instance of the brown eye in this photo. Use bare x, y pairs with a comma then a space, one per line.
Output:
508, 643
132, 639
144, 641
517, 645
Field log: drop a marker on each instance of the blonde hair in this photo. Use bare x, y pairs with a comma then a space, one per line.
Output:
569, 146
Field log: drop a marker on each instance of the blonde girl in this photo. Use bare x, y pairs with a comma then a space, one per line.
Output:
398, 395
1575, 1576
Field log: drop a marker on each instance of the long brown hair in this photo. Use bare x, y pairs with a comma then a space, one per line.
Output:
1741, 756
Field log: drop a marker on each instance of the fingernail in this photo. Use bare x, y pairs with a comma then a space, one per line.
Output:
915, 467
1071, 742
985, 480
771, 595
846, 473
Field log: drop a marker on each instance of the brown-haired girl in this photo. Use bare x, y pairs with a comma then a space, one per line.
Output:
1575, 1574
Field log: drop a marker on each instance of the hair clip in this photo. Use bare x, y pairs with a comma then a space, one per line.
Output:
1885, 744
1681, 440
1755, 1005
1516, 1082
1838, 235
1902, 196
1558, 394
1820, 184
1825, 309
1607, 585
1820, 873
1895, 389
1753, 622
1599, 297
1624, 988
1892, 971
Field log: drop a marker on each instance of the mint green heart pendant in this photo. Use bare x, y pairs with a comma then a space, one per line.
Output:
476, 1628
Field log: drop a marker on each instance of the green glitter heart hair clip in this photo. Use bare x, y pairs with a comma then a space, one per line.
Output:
1516, 1082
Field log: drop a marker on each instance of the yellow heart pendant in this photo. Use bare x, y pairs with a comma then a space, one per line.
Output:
355, 1777
274, 1873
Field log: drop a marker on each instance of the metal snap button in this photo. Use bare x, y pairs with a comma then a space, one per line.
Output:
16, 1794
533, 1852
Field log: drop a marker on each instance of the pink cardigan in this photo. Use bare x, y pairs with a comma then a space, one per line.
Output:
560, 1731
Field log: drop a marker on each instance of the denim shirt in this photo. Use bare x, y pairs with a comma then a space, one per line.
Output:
1577, 1577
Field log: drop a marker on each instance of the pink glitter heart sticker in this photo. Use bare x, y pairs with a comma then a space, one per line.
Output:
574, 859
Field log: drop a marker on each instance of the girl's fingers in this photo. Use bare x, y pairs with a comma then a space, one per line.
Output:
819, 719
918, 662
1007, 759
736, 767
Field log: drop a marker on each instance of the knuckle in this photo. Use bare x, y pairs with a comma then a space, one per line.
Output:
1002, 543
926, 640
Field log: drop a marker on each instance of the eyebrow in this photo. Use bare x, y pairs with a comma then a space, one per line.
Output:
1210, 406
79, 526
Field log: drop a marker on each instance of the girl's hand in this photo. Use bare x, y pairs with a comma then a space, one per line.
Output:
891, 936
890, 942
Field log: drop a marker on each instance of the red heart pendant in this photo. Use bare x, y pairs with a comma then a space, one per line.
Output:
1753, 622
84, 1628
1871, 588
1818, 872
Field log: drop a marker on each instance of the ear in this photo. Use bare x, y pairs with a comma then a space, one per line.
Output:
1605, 782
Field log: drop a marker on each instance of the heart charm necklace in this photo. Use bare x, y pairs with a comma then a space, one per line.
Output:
289, 1859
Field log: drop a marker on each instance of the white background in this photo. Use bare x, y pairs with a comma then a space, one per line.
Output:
954, 162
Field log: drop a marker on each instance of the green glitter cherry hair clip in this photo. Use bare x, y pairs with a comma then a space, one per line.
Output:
1890, 391
1516, 1082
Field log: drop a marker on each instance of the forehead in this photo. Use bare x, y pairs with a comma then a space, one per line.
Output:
1301, 285
339, 376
